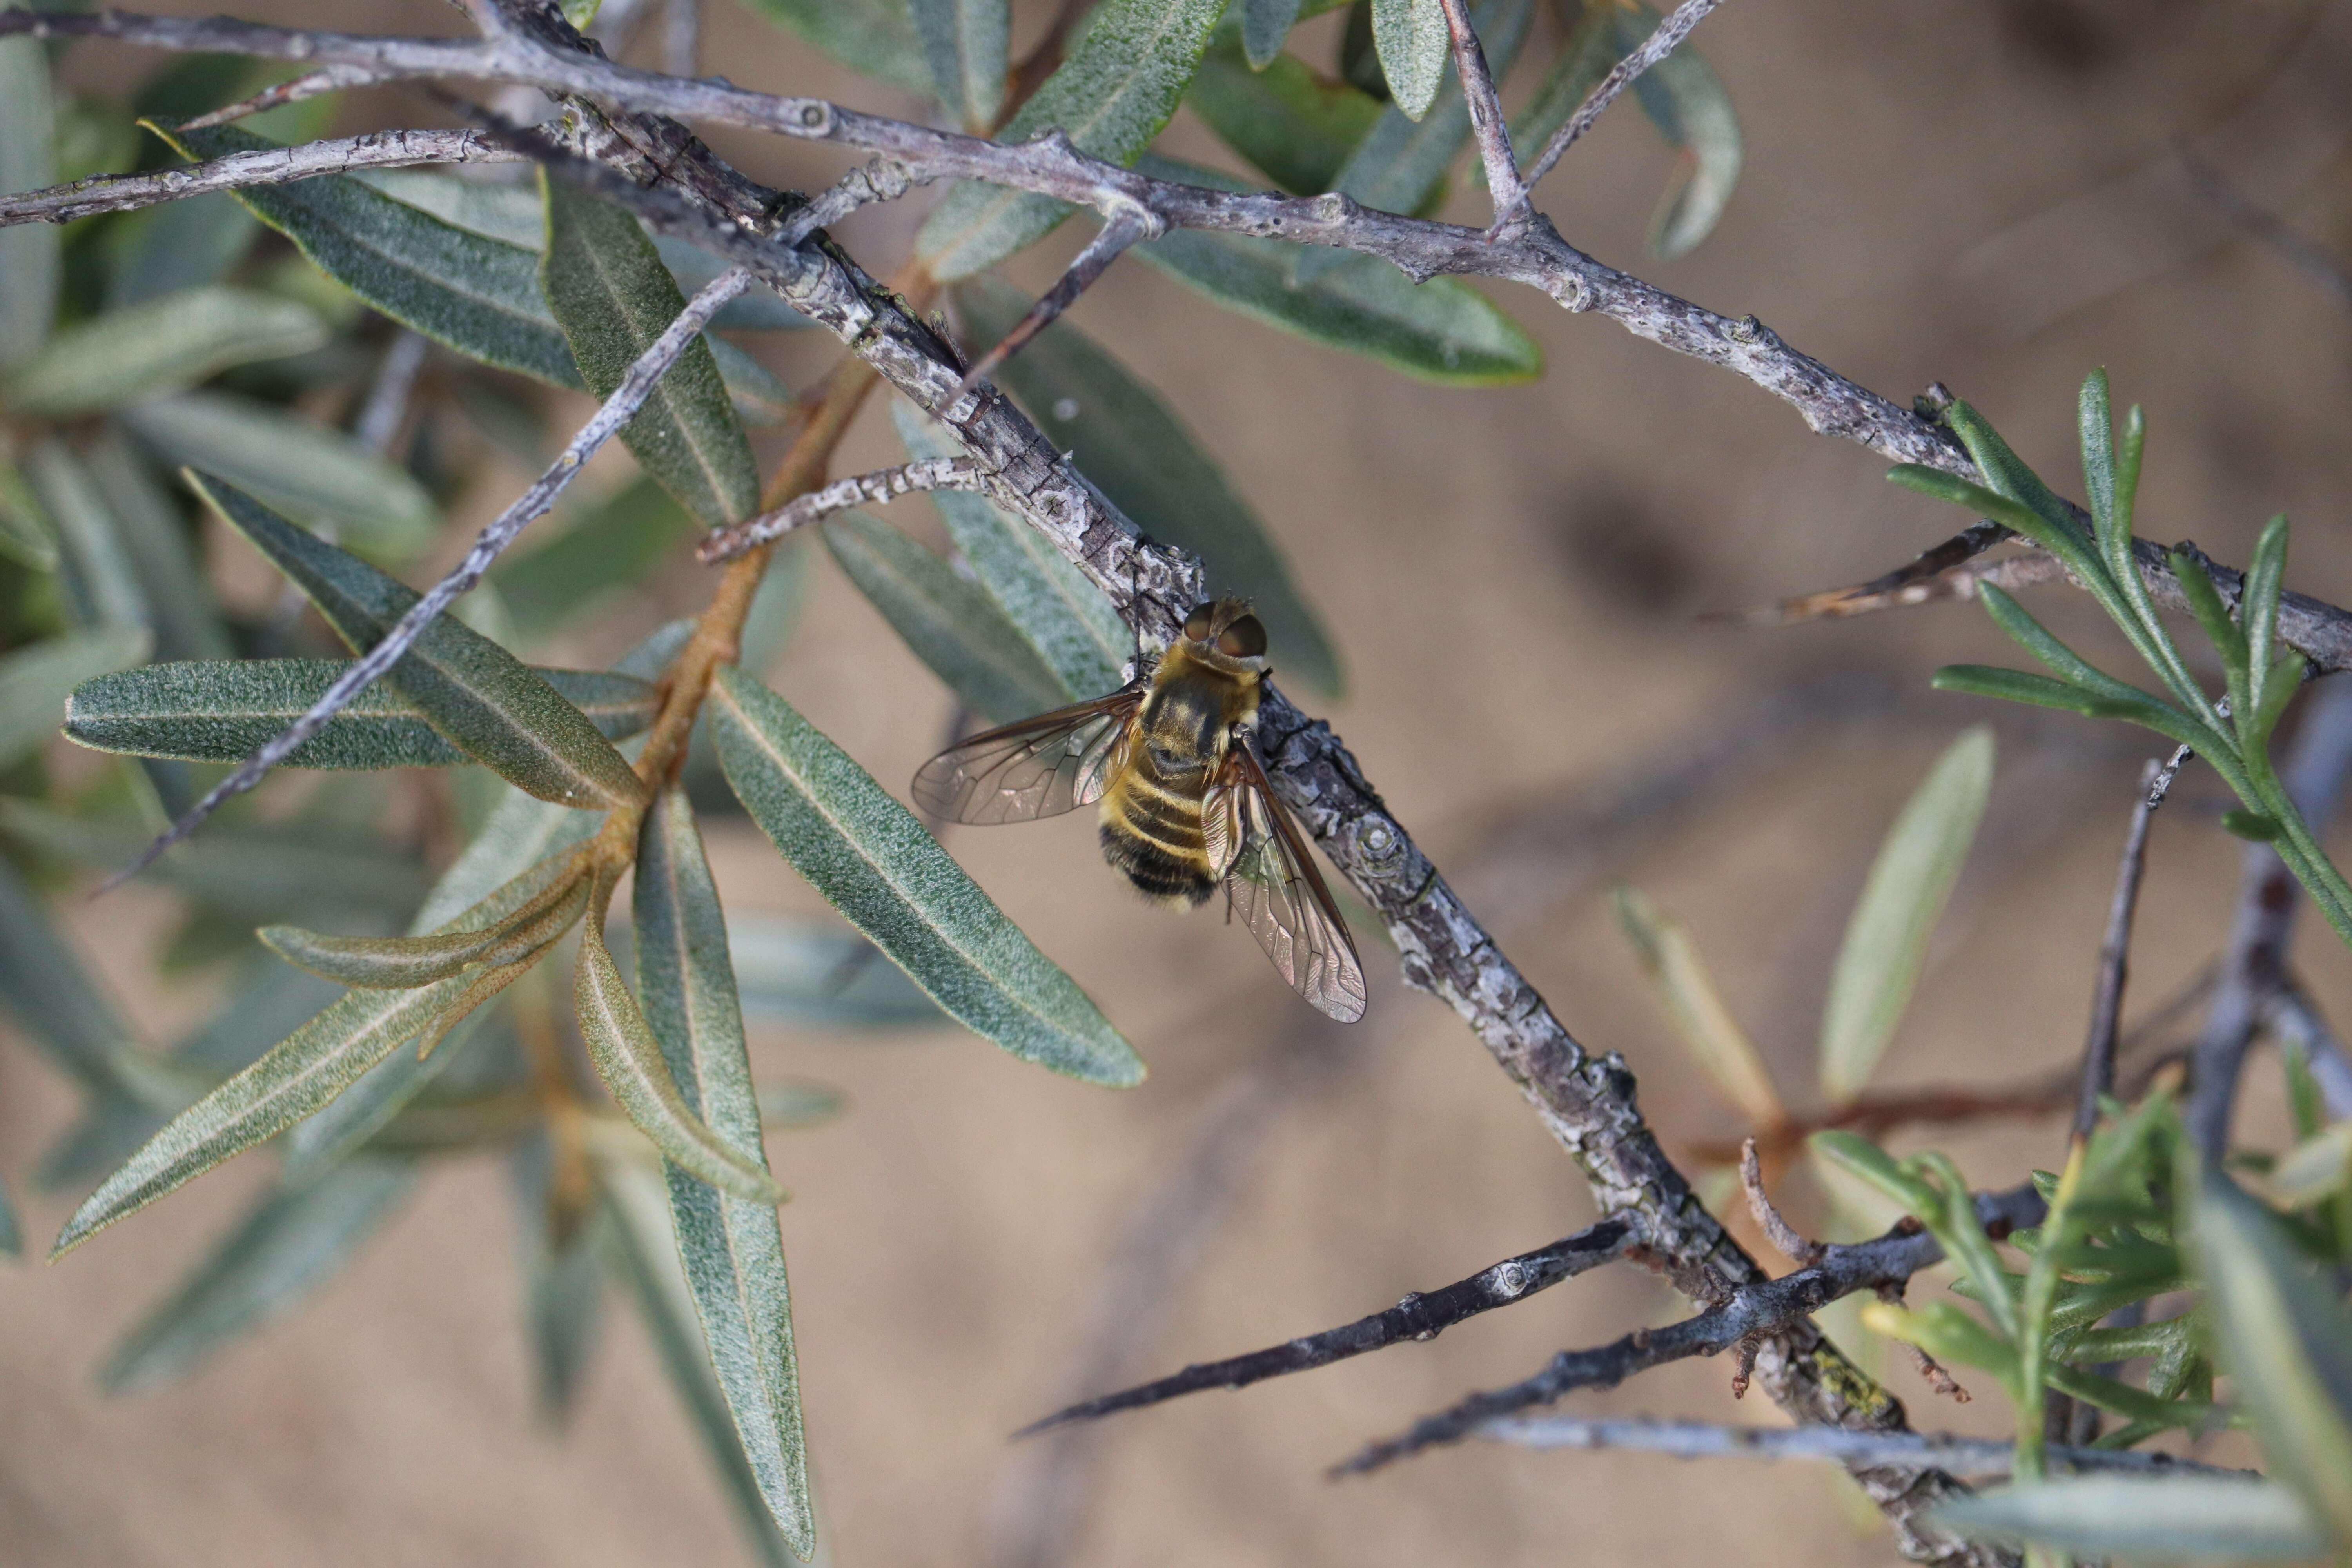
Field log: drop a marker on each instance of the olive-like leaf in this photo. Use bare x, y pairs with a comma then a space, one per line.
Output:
1297, 127
29, 251
53, 998
640, 1249
1591, 48
401, 963
479, 697
220, 710
612, 297
27, 534
755, 394
287, 1246
2286, 1340
1442, 331
964, 43
1128, 441
874, 863
1887, 938
99, 581
1116, 89
301, 468
161, 346
511, 214
875, 36
1055, 608
1401, 165
475, 294
181, 608
2144, 1518
629, 1059
951, 624
1414, 51
819, 974
36, 682
733, 1250
1723, 1049
1687, 101
176, 245
1266, 26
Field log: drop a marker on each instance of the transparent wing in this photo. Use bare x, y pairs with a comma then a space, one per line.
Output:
1038, 767
1272, 883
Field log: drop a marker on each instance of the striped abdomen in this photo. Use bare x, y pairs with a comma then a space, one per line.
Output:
1151, 832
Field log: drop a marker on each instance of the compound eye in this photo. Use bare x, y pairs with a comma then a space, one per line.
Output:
1243, 639
1196, 625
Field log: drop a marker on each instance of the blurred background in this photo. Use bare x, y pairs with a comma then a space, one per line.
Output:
1994, 197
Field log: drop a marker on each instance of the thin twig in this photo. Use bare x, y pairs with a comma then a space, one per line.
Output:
2115, 953
386, 408
1701, 1440
294, 89
1655, 48
1126, 228
1417, 1317
262, 166
1759, 1309
2294, 1015
1952, 570
1487, 118
617, 410
1797, 1249
880, 180
882, 485
2255, 965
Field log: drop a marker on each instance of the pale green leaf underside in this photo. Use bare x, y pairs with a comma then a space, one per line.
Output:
874, 862
1411, 37
2169, 1518
159, 346
36, 682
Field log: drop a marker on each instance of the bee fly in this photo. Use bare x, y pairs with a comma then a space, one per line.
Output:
1185, 803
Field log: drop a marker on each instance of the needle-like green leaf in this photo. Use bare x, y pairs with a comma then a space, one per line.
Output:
874, 862
479, 697
1886, 939
2141, 1519
165, 344
611, 295
733, 1250
287, 1246
400, 963
219, 710
1117, 86
951, 624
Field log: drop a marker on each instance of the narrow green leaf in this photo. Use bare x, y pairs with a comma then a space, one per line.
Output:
1442, 331
36, 681
2315, 1169
1946, 1332
1297, 127
161, 346
2060, 539
1687, 101
512, 215
1860, 1158
474, 294
27, 534
479, 697
2016, 686
733, 1251
757, 310
154, 535
611, 295
182, 244
2009, 474
964, 43
640, 1249
818, 974
1117, 86
220, 710
614, 545
875, 36
2095, 428
953, 625
303, 470
400, 963
53, 998
1130, 442
29, 251
1887, 938
2258, 605
2253, 825
629, 1059
285, 1248
1723, 1049
100, 582
874, 862
1400, 166
2213, 615
1414, 53
1265, 28
1054, 606
2287, 1343
2168, 1518
2070, 667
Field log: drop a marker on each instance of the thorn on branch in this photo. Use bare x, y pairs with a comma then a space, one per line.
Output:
1129, 223
1743, 1363
1797, 1249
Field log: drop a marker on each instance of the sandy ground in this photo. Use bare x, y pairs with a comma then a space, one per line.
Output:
1510, 576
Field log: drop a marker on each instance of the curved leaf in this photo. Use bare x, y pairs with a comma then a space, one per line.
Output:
733, 1251
301, 468
1442, 331
399, 963
873, 861
1887, 937
1266, 26
1297, 127
475, 294
479, 697
139, 350
1413, 49
38, 682
1685, 101
1114, 92
154, 537
612, 297
1127, 440
875, 36
219, 710
952, 625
